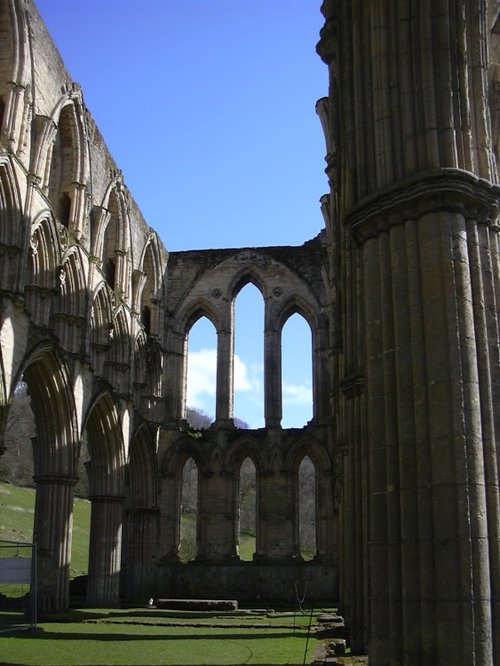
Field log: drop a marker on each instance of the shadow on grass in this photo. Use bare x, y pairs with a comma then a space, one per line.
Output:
79, 615
40, 634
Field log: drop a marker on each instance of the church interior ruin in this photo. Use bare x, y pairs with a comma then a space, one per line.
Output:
399, 291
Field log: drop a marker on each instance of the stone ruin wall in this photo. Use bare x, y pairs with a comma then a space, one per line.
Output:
95, 313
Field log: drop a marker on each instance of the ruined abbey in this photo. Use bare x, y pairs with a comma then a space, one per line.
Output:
399, 290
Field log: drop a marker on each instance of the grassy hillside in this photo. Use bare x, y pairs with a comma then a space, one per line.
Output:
16, 523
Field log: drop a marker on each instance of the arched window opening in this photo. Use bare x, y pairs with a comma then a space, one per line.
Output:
62, 168
296, 386
201, 369
246, 514
189, 512
307, 508
110, 244
148, 292
249, 358
64, 209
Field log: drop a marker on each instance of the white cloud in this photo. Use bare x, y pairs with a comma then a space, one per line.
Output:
202, 375
202, 372
248, 380
297, 394
242, 382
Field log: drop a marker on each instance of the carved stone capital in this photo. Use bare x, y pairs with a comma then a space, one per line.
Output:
353, 385
439, 190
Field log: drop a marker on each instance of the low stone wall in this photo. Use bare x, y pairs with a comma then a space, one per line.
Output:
249, 581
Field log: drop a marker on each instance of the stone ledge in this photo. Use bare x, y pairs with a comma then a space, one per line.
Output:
198, 604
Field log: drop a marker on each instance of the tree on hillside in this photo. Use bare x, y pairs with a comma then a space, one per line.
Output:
16, 464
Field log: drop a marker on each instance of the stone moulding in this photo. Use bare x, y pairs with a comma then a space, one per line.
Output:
353, 384
449, 189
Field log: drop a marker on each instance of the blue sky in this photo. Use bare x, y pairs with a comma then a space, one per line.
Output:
207, 106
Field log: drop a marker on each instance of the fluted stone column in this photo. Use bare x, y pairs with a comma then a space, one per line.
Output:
52, 533
103, 588
216, 517
416, 201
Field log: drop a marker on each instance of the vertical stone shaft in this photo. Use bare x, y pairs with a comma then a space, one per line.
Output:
444, 555
414, 184
106, 517
52, 534
272, 378
224, 400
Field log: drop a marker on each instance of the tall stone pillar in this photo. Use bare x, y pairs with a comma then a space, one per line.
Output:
224, 397
103, 588
416, 203
272, 378
216, 517
52, 534
433, 487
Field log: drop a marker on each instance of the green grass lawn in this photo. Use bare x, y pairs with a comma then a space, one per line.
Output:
144, 637
140, 637
16, 523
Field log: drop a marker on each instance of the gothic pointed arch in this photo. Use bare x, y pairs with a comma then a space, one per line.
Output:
15, 73
297, 304
55, 455
70, 308
148, 281
101, 327
184, 448
111, 237
194, 310
246, 447
106, 448
57, 447
141, 513
73, 277
61, 160
121, 338
308, 446
142, 470
247, 275
45, 251
44, 258
106, 479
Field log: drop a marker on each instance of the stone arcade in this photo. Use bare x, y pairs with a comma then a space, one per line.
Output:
400, 292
